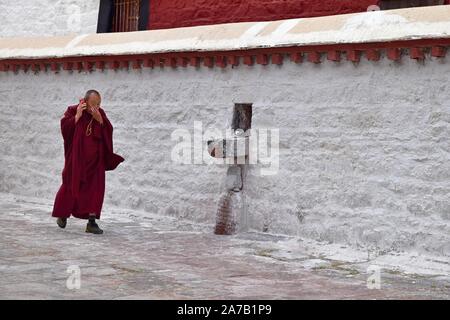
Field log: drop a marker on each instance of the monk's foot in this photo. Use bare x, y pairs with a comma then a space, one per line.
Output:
62, 222
93, 227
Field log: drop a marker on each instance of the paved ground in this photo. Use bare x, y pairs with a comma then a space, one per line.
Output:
162, 258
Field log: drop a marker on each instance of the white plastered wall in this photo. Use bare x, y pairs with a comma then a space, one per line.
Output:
364, 150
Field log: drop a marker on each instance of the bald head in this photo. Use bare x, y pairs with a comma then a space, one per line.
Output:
90, 93
92, 98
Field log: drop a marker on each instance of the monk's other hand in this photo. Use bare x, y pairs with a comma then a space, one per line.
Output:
96, 114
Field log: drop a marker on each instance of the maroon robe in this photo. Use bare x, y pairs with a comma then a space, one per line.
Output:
86, 160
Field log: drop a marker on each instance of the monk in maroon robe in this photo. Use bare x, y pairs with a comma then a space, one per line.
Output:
88, 151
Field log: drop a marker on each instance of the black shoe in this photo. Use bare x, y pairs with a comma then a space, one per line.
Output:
93, 227
62, 222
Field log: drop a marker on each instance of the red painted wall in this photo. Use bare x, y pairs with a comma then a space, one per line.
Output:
182, 13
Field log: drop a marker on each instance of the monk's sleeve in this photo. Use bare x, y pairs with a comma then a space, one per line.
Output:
68, 127
112, 160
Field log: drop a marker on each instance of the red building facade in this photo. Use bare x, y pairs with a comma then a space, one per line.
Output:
184, 13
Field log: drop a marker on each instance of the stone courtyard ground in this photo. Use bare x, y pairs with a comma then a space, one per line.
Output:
144, 256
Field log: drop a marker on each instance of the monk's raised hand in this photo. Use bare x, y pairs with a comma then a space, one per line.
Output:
81, 107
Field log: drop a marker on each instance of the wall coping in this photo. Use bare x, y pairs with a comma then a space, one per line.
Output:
415, 28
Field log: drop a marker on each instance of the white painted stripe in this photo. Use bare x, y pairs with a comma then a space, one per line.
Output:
285, 27
75, 41
254, 30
